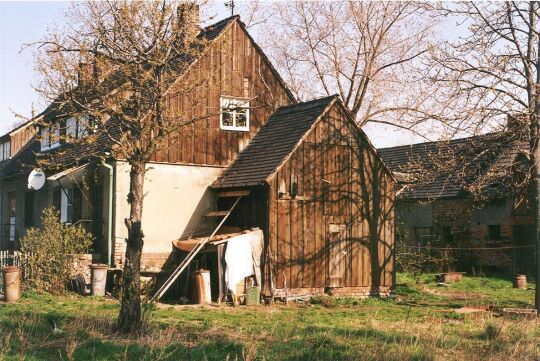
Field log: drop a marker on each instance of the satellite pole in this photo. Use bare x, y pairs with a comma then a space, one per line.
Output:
230, 4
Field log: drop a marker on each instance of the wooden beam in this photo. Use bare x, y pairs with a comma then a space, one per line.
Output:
217, 213
227, 194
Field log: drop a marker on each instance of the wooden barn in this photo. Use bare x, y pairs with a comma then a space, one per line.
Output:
323, 199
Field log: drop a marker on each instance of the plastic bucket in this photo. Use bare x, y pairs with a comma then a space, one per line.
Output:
12, 283
99, 279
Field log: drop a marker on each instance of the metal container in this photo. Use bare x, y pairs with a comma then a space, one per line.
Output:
99, 279
203, 292
253, 296
12, 283
520, 282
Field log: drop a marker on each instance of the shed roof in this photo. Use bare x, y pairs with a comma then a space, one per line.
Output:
273, 143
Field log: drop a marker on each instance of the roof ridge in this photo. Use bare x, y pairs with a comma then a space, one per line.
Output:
217, 24
440, 141
336, 96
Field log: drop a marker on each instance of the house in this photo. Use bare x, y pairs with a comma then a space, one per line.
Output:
467, 204
303, 173
10, 144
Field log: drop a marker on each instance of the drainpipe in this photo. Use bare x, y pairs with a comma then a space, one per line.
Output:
109, 221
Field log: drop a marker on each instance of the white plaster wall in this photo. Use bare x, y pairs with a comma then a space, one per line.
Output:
176, 197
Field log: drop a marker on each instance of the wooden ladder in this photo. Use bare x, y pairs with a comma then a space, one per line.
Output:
200, 245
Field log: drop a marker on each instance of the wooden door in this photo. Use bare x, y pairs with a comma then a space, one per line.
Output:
336, 255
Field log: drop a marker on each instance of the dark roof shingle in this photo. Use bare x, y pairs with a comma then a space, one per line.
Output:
487, 157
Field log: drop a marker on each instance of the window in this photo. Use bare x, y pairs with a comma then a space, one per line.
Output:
5, 151
70, 205
234, 114
12, 211
79, 128
29, 209
423, 234
50, 137
447, 235
494, 231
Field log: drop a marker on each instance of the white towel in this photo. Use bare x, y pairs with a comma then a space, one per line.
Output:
239, 257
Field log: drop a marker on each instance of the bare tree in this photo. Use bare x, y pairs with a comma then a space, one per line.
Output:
364, 51
113, 67
491, 76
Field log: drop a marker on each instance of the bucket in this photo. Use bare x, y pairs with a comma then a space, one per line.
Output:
520, 282
203, 293
12, 283
99, 279
253, 296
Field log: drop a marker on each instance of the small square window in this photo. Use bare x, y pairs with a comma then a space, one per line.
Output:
234, 114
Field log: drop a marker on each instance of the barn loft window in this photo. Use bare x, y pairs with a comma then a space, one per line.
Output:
50, 137
234, 114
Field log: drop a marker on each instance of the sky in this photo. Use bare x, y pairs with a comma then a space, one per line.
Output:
23, 22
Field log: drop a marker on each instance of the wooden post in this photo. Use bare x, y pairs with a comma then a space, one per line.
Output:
220, 265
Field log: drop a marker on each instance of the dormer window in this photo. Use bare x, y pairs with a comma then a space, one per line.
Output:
5, 150
234, 114
50, 137
79, 128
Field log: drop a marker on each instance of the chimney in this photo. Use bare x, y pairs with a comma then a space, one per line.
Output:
189, 17
86, 72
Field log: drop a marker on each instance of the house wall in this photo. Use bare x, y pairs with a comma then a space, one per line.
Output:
43, 198
176, 197
469, 223
20, 137
231, 66
340, 220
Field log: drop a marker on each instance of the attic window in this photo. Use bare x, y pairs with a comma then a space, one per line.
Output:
79, 128
234, 114
50, 137
5, 151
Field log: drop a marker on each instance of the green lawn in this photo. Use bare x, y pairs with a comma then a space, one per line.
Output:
421, 324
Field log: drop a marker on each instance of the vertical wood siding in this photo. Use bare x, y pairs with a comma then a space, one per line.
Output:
231, 66
342, 185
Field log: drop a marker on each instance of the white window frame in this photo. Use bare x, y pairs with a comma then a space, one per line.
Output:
226, 103
47, 138
6, 150
66, 205
79, 128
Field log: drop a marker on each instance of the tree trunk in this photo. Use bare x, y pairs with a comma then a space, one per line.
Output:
130, 317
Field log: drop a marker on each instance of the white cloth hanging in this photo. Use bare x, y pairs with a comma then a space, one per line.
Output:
239, 255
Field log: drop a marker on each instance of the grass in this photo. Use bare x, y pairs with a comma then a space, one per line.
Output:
420, 324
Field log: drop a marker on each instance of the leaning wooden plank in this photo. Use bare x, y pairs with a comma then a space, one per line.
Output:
161, 291
217, 214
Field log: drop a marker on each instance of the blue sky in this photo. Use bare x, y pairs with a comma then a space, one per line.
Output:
20, 23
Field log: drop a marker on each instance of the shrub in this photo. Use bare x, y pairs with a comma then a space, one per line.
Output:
52, 251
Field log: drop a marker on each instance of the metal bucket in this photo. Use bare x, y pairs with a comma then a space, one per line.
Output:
12, 283
203, 291
99, 279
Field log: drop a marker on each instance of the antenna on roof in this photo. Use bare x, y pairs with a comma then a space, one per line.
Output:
230, 4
